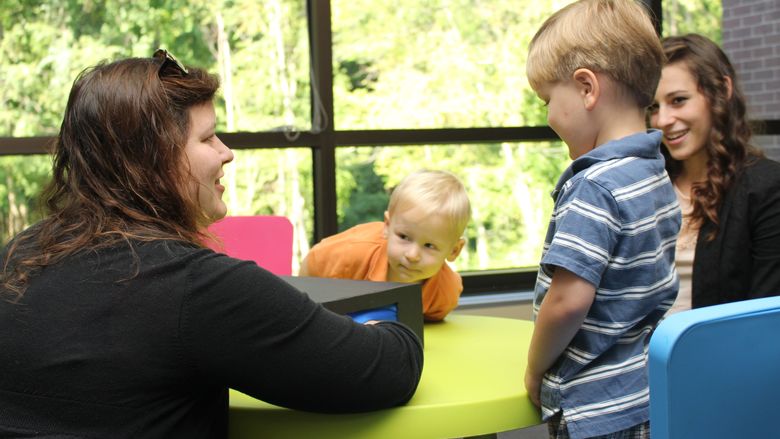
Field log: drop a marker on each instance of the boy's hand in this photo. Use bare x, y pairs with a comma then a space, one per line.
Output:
560, 316
533, 385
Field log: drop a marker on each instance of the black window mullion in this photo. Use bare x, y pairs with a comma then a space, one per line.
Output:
324, 151
444, 135
656, 13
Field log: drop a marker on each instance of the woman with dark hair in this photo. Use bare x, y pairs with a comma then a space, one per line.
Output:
116, 320
729, 245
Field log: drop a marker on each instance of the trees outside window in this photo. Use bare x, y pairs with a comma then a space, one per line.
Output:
415, 84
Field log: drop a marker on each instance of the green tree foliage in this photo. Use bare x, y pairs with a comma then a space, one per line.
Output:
21, 181
693, 16
433, 63
367, 199
259, 49
397, 64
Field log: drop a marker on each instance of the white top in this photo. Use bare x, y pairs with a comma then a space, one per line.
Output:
685, 250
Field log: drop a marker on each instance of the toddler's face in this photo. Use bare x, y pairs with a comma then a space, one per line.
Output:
418, 245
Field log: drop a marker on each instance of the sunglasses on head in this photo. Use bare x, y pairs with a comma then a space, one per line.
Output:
168, 60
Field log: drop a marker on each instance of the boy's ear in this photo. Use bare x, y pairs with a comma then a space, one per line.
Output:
456, 250
588, 84
387, 224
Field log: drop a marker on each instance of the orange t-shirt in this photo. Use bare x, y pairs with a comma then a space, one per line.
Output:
361, 253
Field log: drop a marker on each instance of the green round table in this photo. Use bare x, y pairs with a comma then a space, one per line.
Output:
472, 385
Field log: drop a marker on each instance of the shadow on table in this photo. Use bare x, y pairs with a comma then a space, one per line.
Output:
535, 432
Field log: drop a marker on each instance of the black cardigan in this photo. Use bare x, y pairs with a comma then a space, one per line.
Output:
121, 344
743, 261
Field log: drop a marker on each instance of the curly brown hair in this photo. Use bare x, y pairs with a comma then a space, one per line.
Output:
118, 169
728, 147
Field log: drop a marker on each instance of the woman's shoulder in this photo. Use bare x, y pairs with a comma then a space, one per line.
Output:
761, 162
760, 173
187, 253
201, 268
164, 248
758, 185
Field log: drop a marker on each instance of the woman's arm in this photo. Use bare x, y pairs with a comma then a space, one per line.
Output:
764, 212
256, 333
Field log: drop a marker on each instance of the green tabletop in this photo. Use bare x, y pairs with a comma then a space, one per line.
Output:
472, 384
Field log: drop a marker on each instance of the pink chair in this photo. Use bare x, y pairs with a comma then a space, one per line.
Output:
265, 239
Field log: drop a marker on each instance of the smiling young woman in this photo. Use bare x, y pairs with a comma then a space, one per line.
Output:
729, 246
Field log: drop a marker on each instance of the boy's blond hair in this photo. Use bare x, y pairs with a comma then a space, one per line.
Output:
436, 193
613, 37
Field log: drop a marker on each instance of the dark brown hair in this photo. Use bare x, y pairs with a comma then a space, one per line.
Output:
118, 170
728, 147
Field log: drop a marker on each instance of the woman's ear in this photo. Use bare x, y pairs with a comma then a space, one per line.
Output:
729, 86
588, 84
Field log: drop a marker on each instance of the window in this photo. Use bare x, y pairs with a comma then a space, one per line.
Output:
260, 50
327, 104
434, 64
21, 180
508, 183
274, 181
693, 16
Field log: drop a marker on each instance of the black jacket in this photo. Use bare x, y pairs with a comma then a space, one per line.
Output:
743, 261
100, 347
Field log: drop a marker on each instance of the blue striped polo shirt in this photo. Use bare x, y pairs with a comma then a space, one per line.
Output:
614, 224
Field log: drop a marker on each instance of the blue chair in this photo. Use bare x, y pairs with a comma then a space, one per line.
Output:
715, 372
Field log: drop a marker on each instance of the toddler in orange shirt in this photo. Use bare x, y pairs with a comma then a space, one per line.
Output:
422, 229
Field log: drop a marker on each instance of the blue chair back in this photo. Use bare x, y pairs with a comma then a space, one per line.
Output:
715, 372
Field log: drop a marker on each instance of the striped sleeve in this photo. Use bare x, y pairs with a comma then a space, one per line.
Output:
587, 226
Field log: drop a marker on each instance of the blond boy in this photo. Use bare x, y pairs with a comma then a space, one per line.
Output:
607, 271
422, 229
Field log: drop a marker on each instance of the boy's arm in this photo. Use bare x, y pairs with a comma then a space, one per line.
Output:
560, 316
